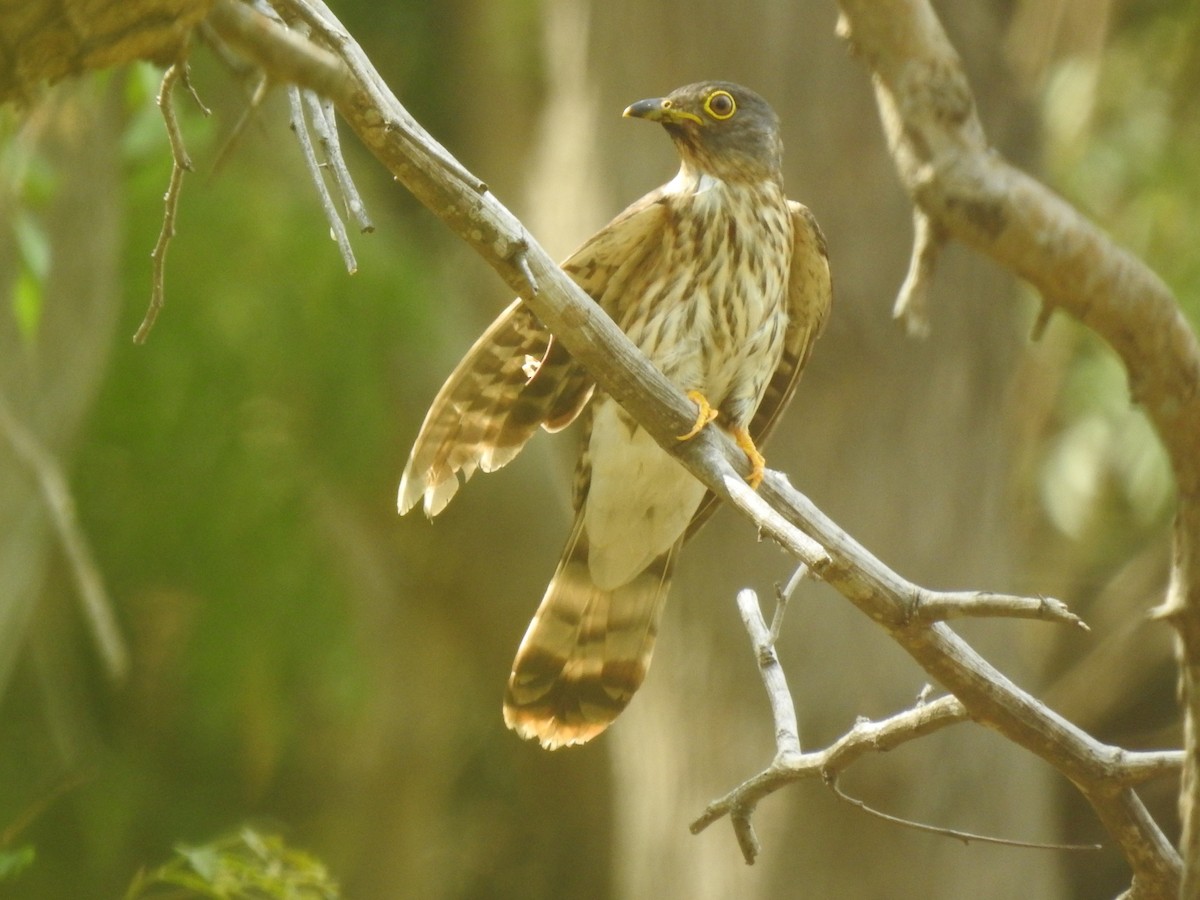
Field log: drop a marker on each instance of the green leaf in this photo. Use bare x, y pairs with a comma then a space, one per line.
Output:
27, 305
247, 864
206, 861
34, 245
14, 862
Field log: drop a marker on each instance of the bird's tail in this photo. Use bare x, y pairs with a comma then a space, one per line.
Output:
586, 651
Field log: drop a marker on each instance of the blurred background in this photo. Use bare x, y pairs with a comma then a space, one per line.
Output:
289, 654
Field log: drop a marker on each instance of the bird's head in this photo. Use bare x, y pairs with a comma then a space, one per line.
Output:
720, 129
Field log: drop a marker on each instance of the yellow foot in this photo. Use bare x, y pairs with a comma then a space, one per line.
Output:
757, 463
704, 415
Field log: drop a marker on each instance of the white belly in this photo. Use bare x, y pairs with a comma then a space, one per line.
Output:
639, 502
640, 498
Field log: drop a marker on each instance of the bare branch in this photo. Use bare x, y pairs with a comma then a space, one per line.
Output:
783, 595
320, 117
180, 163
324, 125
336, 226
934, 606
966, 837
93, 597
865, 737
1137, 768
972, 194
783, 710
912, 302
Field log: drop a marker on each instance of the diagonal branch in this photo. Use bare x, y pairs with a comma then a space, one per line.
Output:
60, 505
463, 202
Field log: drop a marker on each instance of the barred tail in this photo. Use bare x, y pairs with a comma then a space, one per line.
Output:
586, 651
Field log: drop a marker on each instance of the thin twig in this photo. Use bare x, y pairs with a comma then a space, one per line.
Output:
1133, 768
965, 836
743, 831
782, 596
93, 597
257, 93
783, 710
39, 805
789, 761
865, 737
1042, 322
317, 16
523, 265
324, 126
186, 80
936, 606
336, 227
802, 573
912, 301
180, 163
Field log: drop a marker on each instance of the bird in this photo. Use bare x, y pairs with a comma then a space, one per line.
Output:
724, 284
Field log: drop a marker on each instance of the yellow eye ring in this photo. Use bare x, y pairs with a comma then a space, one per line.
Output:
720, 105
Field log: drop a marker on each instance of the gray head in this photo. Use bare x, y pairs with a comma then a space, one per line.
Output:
720, 129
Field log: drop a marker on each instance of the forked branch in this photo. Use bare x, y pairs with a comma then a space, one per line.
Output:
965, 190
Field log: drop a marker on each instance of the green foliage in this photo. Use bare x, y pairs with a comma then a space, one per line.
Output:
246, 865
227, 462
14, 862
26, 184
1121, 132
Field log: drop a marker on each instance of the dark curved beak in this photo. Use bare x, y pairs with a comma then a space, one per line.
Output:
659, 109
651, 109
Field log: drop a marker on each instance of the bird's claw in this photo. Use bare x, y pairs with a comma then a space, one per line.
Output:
704, 414
757, 462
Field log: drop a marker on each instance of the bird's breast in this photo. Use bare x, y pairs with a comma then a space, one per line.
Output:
712, 298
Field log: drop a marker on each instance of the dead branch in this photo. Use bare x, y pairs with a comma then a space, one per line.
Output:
297, 100
180, 163
912, 301
791, 764
970, 193
865, 737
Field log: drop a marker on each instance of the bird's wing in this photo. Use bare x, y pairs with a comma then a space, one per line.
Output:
482, 416
517, 377
604, 262
809, 296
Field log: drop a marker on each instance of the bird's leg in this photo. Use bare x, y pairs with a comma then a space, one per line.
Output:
704, 414
757, 463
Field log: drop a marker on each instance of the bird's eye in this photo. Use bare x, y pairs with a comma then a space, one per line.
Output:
720, 105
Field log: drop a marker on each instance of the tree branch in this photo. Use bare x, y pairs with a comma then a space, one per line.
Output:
970, 193
465, 205
60, 505
865, 737
180, 163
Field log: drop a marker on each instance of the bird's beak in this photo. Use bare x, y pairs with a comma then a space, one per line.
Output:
659, 109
